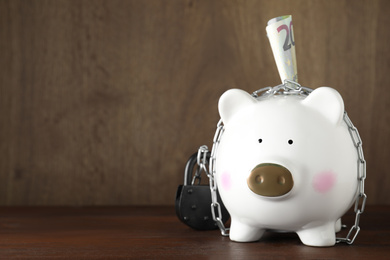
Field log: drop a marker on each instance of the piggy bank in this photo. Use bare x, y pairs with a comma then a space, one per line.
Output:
286, 163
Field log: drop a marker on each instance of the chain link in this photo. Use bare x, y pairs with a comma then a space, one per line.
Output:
287, 88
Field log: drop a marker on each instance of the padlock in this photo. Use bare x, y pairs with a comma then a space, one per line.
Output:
193, 201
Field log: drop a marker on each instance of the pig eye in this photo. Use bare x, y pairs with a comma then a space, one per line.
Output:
290, 141
260, 141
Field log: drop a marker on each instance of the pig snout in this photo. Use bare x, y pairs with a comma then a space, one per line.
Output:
270, 180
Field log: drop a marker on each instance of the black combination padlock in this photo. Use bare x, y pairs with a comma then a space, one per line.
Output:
193, 201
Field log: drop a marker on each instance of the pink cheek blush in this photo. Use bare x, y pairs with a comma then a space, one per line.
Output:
324, 181
226, 181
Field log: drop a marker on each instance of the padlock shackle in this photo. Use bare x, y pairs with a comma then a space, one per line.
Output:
190, 168
191, 164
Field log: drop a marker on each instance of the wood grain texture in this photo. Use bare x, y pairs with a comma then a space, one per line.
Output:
102, 102
156, 233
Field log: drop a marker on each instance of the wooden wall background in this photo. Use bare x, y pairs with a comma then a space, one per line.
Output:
102, 102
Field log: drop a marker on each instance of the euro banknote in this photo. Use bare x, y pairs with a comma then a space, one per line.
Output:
281, 37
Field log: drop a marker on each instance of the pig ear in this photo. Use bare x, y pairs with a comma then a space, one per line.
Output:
231, 101
328, 102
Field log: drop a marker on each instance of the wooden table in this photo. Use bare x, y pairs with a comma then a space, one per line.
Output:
156, 233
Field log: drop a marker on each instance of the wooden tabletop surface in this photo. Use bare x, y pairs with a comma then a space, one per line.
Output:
156, 233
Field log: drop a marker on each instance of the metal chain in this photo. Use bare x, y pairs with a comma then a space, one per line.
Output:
287, 88
360, 202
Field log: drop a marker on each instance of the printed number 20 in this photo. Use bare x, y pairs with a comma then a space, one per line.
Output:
289, 36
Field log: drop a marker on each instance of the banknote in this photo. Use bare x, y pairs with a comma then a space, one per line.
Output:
281, 37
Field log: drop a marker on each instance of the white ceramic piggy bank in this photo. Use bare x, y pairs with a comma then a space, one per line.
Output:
286, 163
